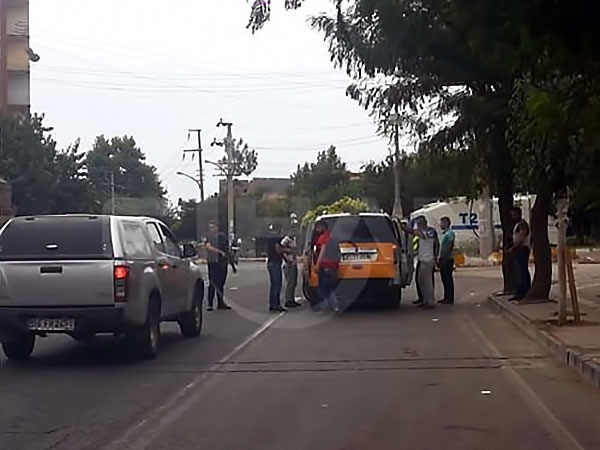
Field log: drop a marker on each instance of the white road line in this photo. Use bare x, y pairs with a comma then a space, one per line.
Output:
561, 436
148, 429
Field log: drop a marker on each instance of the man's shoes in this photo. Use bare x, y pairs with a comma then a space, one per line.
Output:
418, 302
210, 308
446, 302
278, 309
224, 307
292, 304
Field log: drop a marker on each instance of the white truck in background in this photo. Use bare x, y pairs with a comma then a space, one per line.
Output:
464, 215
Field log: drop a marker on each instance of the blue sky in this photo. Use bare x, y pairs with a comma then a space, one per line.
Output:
153, 69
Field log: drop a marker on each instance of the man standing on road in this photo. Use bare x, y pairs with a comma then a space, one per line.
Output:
521, 250
327, 265
275, 254
217, 248
428, 249
290, 270
446, 260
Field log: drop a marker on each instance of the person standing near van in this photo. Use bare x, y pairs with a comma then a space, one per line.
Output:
290, 270
327, 266
429, 245
275, 254
521, 249
446, 261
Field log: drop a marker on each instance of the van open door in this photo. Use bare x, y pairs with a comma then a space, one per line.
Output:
407, 257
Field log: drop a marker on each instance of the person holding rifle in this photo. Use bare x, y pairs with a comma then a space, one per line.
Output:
218, 258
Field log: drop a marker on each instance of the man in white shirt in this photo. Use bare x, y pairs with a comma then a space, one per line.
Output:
290, 271
429, 246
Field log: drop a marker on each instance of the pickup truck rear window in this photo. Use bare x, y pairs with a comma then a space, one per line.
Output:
52, 238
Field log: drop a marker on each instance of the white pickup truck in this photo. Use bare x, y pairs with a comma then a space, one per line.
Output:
85, 274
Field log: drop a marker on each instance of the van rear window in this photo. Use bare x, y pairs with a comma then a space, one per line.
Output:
363, 229
51, 238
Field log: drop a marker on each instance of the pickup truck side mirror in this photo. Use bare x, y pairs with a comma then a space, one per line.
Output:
189, 251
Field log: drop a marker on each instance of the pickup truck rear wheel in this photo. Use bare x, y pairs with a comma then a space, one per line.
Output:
190, 322
19, 347
146, 338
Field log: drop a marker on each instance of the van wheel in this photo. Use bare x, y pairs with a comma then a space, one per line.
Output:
18, 348
310, 294
190, 322
146, 338
395, 298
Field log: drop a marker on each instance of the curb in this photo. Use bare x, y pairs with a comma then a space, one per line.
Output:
587, 368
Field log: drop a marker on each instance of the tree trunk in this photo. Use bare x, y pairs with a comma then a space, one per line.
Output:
542, 280
505, 204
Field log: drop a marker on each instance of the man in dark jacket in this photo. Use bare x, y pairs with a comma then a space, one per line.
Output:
217, 248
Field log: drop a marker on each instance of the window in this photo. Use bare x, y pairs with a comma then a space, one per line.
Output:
135, 242
363, 229
51, 238
170, 243
157, 241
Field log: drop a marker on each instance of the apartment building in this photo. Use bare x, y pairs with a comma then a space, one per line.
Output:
15, 56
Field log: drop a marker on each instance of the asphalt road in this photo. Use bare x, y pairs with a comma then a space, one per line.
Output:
452, 378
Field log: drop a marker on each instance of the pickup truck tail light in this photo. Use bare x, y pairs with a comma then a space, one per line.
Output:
395, 250
121, 277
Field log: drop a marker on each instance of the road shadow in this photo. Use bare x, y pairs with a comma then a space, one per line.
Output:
104, 351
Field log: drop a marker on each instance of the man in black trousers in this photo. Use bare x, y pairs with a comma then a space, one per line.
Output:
217, 248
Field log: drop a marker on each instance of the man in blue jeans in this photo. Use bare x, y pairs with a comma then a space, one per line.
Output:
327, 266
275, 254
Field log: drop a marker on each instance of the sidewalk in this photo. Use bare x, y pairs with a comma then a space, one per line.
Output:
575, 346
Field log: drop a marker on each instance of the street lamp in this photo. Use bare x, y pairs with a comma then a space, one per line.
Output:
191, 178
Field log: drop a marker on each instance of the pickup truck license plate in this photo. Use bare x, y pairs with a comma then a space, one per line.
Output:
53, 324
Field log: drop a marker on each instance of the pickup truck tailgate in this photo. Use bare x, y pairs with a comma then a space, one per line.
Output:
56, 283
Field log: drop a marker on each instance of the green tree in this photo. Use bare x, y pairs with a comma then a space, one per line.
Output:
245, 160
184, 224
120, 159
323, 181
342, 205
44, 179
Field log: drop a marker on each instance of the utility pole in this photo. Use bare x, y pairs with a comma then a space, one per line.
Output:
230, 198
200, 170
112, 193
397, 211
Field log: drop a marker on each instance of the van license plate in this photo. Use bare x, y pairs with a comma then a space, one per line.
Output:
53, 324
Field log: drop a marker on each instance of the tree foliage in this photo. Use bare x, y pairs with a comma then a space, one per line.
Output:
342, 205
120, 159
44, 179
323, 181
244, 160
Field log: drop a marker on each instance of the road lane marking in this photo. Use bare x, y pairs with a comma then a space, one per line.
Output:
560, 435
141, 435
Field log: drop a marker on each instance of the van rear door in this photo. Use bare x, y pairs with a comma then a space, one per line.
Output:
407, 265
55, 261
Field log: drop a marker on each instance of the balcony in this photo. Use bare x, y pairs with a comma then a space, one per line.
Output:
18, 91
17, 18
17, 56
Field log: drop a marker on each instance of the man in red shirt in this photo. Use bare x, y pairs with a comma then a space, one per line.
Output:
328, 261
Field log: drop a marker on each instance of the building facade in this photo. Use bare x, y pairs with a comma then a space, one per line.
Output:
15, 56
